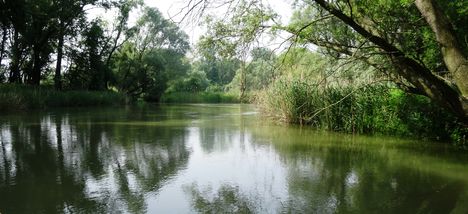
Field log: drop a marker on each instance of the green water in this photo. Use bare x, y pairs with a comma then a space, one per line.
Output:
215, 159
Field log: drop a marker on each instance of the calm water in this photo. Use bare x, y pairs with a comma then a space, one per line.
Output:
215, 159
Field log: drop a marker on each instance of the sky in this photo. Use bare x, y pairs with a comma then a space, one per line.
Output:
171, 8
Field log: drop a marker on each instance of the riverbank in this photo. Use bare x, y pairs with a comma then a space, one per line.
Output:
22, 97
199, 97
368, 110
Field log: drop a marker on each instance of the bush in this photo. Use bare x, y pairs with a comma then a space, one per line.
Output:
195, 82
21, 97
200, 97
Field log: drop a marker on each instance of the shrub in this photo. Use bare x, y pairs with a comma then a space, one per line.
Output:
21, 97
200, 97
195, 82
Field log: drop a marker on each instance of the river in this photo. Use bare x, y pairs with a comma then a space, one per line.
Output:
215, 159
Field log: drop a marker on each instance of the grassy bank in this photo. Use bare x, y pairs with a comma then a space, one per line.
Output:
199, 97
366, 110
20, 97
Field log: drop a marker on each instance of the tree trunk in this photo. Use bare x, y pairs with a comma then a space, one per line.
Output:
58, 67
35, 77
455, 61
421, 77
4, 39
115, 44
242, 82
15, 76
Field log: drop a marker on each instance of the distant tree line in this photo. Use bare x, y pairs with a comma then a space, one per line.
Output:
419, 45
55, 42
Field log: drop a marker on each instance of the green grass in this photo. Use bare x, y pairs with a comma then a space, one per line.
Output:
368, 110
21, 97
199, 97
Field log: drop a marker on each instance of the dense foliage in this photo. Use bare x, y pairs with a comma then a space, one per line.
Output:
56, 43
397, 38
350, 65
23, 97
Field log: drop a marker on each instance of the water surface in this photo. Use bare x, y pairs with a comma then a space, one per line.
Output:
215, 159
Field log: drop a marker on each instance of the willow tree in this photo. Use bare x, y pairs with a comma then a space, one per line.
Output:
69, 16
395, 32
232, 36
152, 54
418, 44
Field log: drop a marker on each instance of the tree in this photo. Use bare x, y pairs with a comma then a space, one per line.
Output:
413, 43
259, 72
454, 57
219, 70
195, 81
87, 70
420, 78
14, 18
38, 29
150, 57
121, 29
232, 36
70, 14
97, 71
4, 27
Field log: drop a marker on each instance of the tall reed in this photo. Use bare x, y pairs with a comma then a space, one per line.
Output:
361, 110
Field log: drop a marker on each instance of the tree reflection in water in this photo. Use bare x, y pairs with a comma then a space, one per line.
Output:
60, 163
339, 174
227, 199
215, 159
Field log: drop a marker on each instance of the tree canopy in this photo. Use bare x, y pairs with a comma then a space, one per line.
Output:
419, 45
56, 43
